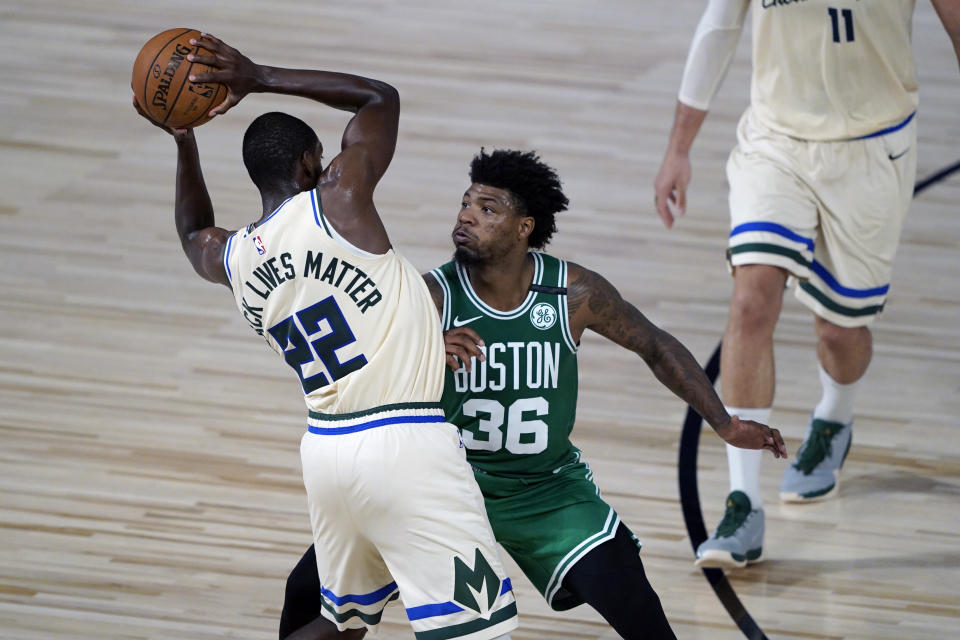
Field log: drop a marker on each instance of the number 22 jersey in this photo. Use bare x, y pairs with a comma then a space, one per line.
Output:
359, 329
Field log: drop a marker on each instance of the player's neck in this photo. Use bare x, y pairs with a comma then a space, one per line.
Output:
503, 284
273, 199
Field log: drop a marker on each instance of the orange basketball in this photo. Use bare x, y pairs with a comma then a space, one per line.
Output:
160, 81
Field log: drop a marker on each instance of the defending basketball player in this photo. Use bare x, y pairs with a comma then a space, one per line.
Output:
820, 183
513, 320
393, 505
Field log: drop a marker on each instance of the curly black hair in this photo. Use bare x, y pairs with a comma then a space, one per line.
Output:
535, 187
272, 145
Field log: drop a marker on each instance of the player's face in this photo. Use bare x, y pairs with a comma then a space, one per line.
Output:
488, 225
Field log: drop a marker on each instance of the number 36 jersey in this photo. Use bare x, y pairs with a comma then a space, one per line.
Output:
360, 330
515, 410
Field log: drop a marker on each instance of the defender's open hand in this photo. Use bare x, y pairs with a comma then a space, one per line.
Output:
461, 344
748, 434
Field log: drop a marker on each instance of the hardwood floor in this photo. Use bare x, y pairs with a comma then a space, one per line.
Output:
149, 469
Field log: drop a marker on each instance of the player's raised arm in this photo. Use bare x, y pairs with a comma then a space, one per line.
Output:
595, 304
370, 137
949, 12
201, 239
713, 46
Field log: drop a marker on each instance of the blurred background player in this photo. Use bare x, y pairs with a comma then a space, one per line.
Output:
820, 183
513, 319
393, 505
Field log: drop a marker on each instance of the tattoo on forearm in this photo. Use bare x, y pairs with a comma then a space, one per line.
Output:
679, 371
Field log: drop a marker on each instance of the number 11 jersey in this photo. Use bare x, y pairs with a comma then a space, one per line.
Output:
832, 69
359, 329
516, 409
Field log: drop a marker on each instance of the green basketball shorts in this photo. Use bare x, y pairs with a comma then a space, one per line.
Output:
548, 524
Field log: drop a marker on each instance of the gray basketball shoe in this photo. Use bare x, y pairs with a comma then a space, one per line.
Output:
738, 539
815, 473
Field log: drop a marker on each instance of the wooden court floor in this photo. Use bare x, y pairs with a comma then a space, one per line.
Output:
149, 468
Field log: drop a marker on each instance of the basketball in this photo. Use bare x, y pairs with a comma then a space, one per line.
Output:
160, 81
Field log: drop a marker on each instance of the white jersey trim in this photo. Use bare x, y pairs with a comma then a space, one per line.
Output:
565, 310
490, 311
576, 554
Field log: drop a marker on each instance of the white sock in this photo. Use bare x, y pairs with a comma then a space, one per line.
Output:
744, 464
836, 403
505, 636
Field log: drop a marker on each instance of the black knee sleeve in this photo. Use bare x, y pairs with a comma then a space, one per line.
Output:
301, 599
611, 579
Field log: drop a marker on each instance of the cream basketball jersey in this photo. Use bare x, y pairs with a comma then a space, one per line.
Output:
832, 69
360, 330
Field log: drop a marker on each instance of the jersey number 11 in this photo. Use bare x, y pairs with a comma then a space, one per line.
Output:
847, 23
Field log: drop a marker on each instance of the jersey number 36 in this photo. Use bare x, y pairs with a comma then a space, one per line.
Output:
522, 437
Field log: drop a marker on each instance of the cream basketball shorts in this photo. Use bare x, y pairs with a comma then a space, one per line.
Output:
829, 213
396, 513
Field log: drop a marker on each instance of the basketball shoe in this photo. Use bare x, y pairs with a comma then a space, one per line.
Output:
738, 539
815, 473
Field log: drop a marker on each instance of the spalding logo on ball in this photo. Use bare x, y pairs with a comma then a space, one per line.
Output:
160, 81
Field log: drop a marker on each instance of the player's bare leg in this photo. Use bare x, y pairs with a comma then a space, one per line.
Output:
747, 364
844, 354
746, 361
747, 378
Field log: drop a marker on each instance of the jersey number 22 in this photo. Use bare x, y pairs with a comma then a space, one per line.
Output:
292, 333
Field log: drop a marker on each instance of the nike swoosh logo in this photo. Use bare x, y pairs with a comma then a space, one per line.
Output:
457, 322
899, 154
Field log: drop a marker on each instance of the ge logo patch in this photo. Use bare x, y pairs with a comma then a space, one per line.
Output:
543, 315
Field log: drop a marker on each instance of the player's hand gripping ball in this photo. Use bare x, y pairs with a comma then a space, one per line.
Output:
161, 82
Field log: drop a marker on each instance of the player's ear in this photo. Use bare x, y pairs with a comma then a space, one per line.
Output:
526, 225
308, 169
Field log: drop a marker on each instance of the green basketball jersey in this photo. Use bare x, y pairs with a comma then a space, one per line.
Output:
515, 411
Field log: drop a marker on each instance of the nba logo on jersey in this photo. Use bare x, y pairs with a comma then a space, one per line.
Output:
260, 248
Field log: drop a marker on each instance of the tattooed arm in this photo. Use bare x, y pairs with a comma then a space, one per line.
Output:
595, 304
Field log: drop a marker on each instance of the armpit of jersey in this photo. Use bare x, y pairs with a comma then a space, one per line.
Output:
711, 51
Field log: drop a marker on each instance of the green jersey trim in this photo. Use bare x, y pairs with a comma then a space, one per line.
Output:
445, 314
490, 311
318, 210
504, 616
400, 406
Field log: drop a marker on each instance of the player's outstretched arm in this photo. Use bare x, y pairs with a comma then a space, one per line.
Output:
949, 12
595, 304
370, 136
202, 241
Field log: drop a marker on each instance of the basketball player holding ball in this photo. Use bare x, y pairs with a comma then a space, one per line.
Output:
394, 508
820, 183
